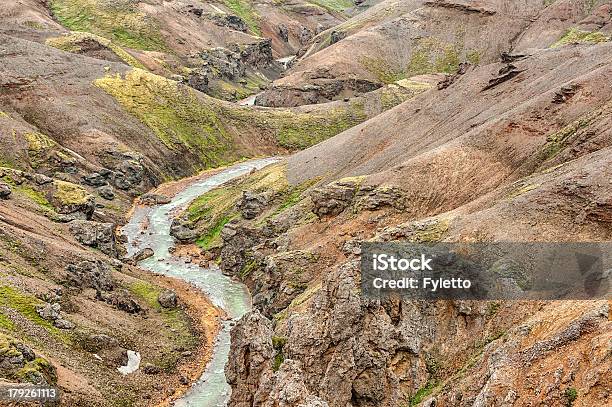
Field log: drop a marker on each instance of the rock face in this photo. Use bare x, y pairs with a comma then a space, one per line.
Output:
235, 239
250, 358
5, 191
232, 62
280, 278
95, 234
326, 89
338, 351
334, 198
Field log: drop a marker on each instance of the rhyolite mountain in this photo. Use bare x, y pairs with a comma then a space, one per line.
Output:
421, 121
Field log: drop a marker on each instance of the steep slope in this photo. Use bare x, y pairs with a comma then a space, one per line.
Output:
225, 48
108, 115
395, 40
69, 310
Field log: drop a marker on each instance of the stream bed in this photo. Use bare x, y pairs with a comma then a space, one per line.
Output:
211, 390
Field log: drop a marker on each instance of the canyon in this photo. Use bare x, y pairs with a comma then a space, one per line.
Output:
130, 197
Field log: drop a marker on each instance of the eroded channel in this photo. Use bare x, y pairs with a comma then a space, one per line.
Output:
211, 389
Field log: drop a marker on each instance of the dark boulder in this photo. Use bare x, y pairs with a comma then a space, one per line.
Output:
168, 299
5, 191
154, 199
122, 300
142, 255
106, 192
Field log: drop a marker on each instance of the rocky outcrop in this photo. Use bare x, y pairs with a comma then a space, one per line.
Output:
232, 62
95, 234
237, 240
19, 363
324, 89
129, 175
183, 230
90, 274
250, 205
250, 361
230, 21
333, 198
283, 32
340, 349
51, 313
278, 278
372, 198
123, 301
336, 36
107, 192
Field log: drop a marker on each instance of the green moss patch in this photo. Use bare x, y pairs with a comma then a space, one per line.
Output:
180, 333
39, 146
304, 130
121, 21
37, 370
383, 71
68, 193
333, 5
25, 305
7, 324
431, 55
74, 41
245, 10
173, 112
557, 141
185, 120
33, 195
147, 292
422, 393
576, 36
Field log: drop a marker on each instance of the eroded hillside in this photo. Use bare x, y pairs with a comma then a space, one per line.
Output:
100, 101
420, 121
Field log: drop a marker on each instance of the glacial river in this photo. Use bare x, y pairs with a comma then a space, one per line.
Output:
211, 389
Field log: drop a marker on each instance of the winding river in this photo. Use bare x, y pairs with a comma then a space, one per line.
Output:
211, 389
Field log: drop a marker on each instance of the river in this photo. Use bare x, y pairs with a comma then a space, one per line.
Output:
211, 390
